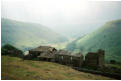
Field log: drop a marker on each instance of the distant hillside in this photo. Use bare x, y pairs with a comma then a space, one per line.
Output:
40, 70
11, 51
108, 38
27, 35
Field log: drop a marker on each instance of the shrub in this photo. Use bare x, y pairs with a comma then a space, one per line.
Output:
11, 51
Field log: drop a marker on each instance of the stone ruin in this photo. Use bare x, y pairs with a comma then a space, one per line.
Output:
42, 53
95, 59
48, 53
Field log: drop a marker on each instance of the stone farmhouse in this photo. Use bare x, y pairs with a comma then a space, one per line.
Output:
95, 59
42, 53
62, 57
48, 53
77, 59
65, 57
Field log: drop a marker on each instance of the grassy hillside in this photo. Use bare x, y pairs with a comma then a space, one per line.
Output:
27, 35
14, 68
108, 38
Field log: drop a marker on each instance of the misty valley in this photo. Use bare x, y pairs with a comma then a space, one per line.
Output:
60, 40
27, 36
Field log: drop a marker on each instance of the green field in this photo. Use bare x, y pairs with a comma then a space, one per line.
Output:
14, 68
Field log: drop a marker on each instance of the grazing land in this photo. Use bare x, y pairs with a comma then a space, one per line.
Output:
14, 68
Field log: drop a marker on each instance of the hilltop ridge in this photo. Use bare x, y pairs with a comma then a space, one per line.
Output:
108, 38
25, 35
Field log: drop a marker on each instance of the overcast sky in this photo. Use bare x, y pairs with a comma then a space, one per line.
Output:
67, 16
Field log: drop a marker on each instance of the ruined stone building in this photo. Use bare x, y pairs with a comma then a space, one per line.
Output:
62, 57
42, 53
77, 60
47, 53
65, 57
95, 59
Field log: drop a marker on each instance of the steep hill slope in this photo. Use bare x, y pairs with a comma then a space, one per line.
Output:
15, 69
107, 38
26, 35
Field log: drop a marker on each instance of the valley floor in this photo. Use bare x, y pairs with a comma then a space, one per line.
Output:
14, 68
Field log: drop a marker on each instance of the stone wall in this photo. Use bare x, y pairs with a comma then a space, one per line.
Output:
95, 59
70, 60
